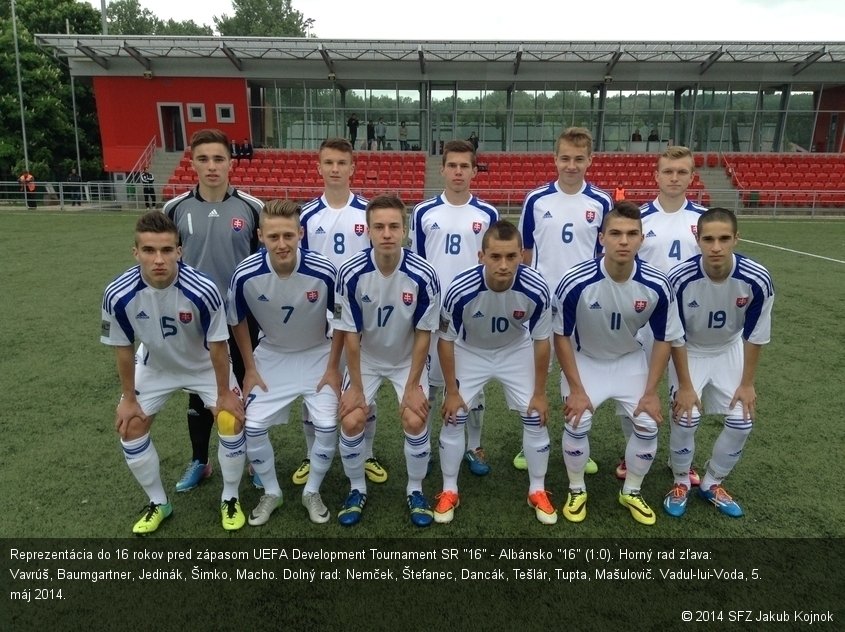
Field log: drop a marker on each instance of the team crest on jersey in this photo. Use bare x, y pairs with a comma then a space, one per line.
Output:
590, 216
185, 317
359, 229
237, 224
742, 301
518, 314
639, 306
476, 227
407, 297
694, 230
312, 296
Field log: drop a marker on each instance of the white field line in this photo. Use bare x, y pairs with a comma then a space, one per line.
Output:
797, 252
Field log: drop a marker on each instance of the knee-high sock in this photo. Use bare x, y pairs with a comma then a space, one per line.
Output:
535, 445
639, 455
682, 449
200, 422
417, 453
259, 451
231, 453
626, 425
370, 431
727, 450
307, 430
142, 459
475, 423
452, 448
321, 455
352, 454
576, 451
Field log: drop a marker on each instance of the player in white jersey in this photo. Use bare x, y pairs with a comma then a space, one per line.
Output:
335, 225
177, 313
602, 303
447, 231
290, 292
217, 225
669, 225
561, 220
726, 308
495, 324
389, 302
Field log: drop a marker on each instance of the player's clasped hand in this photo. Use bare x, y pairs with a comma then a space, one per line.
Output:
539, 404
650, 404
126, 412
231, 402
575, 405
453, 404
415, 400
684, 403
352, 398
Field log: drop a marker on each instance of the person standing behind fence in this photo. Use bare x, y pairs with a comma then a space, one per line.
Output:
74, 190
148, 180
27, 182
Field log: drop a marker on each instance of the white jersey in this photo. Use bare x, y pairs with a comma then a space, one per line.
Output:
291, 311
449, 237
476, 316
387, 310
175, 323
669, 237
715, 314
603, 316
335, 233
562, 229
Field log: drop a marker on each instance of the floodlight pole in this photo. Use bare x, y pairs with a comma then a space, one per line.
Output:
75, 117
103, 17
20, 86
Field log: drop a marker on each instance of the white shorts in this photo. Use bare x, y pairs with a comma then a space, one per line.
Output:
372, 377
435, 372
715, 378
153, 387
622, 379
289, 375
512, 366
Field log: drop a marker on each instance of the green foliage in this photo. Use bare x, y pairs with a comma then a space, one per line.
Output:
263, 18
62, 460
128, 17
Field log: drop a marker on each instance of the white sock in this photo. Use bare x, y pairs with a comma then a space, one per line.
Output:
576, 451
727, 450
639, 455
321, 456
682, 450
231, 453
352, 455
535, 444
475, 422
452, 448
259, 451
370, 431
417, 453
142, 459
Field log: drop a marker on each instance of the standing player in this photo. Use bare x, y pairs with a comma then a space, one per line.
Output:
288, 291
178, 315
389, 300
726, 307
602, 304
217, 230
335, 225
669, 224
560, 221
496, 322
447, 231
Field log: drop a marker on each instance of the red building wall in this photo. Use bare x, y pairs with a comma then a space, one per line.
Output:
129, 112
832, 104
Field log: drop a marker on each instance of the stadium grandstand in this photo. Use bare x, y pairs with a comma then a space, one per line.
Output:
764, 119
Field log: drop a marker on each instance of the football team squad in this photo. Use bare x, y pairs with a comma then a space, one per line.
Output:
249, 306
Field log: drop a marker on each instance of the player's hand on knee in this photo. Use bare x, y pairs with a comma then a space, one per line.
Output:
650, 404
453, 405
332, 379
684, 405
352, 399
252, 378
747, 396
128, 410
574, 407
539, 404
231, 402
415, 400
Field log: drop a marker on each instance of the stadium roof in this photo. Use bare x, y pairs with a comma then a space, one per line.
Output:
523, 64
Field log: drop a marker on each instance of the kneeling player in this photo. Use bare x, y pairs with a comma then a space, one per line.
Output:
178, 315
389, 300
289, 291
726, 305
602, 304
496, 321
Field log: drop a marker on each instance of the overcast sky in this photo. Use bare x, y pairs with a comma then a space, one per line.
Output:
643, 20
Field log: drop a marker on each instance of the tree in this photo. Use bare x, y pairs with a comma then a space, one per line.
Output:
46, 93
263, 18
128, 17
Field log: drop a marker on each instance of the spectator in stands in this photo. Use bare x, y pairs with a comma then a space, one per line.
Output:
652, 135
619, 193
636, 137
371, 135
352, 124
27, 182
147, 181
246, 150
473, 139
381, 135
236, 151
74, 190
403, 136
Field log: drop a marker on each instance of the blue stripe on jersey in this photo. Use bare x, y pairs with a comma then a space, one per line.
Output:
416, 223
653, 278
309, 209
762, 288
200, 284
425, 276
253, 266
119, 294
680, 277
570, 288
485, 207
347, 282
527, 218
602, 197
530, 283
466, 286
